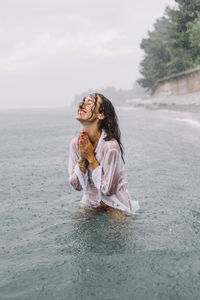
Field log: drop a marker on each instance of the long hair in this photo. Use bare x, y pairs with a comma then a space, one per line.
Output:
110, 121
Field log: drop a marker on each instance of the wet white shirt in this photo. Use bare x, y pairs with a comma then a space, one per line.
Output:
107, 182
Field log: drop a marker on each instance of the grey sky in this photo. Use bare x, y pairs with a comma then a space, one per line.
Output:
53, 49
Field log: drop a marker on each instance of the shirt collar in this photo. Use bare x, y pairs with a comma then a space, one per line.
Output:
103, 135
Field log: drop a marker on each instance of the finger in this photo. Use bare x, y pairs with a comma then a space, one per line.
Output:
83, 132
81, 141
87, 139
82, 145
83, 137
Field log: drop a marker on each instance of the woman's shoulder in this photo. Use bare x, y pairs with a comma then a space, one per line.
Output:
111, 145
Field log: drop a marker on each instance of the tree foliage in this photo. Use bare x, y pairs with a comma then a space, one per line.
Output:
173, 45
195, 40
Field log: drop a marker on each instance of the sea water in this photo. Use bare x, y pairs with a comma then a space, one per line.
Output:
51, 250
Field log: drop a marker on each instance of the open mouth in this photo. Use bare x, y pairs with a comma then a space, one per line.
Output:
81, 110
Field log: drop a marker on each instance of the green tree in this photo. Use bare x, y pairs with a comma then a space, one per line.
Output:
194, 38
183, 54
170, 48
157, 53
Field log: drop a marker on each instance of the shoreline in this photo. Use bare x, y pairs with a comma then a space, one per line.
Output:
193, 108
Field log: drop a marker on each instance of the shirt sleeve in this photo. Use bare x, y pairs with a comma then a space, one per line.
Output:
77, 178
105, 176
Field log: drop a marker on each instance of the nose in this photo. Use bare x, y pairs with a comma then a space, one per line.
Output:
81, 105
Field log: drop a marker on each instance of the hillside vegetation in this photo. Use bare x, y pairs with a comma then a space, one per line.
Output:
173, 45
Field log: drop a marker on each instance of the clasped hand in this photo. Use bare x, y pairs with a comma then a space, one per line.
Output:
86, 148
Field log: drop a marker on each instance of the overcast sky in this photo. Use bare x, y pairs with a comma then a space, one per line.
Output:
51, 50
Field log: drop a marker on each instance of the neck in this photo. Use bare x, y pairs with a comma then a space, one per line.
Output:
93, 131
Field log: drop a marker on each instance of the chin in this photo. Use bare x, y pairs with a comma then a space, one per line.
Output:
79, 118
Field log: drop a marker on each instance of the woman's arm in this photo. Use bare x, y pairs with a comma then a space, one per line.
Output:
76, 178
82, 165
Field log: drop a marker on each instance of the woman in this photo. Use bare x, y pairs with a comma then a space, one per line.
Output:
96, 163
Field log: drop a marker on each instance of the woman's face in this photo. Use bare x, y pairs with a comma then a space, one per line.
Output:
88, 109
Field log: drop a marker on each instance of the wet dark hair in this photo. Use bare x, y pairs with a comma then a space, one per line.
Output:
110, 121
